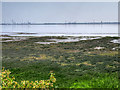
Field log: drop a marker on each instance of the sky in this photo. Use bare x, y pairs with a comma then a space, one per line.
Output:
41, 12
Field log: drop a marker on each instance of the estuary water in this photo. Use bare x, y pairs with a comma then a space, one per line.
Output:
60, 30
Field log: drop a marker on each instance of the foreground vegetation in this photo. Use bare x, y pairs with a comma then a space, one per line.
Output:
76, 64
9, 82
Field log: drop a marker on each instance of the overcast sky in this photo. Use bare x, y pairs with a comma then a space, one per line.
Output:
59, 11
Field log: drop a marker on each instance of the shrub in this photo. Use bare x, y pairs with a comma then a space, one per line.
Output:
9, 82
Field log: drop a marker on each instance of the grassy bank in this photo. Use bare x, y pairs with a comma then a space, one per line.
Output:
76, 64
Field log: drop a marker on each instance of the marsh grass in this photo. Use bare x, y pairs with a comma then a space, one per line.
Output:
71, 61
104, 80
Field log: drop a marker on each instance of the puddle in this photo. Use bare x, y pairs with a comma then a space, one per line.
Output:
116, 41
69, 39
90, 38
98, 48
64, 40
13, 39
45, 42
4, 37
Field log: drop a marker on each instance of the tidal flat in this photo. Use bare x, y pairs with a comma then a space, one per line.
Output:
80, 62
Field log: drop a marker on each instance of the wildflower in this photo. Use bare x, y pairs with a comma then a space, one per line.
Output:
8, 82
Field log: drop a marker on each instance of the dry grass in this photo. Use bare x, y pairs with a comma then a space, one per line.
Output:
109, 66
111, 53
106, 53
87, 63
100, 62
40, 57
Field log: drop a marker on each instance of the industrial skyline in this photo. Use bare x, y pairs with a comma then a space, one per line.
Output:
65, 23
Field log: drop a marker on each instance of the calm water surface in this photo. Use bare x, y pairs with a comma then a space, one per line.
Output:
60, 30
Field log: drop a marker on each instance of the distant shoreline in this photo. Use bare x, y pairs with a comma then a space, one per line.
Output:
89, 23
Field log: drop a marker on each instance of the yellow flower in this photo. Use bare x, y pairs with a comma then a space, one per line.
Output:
8, 82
